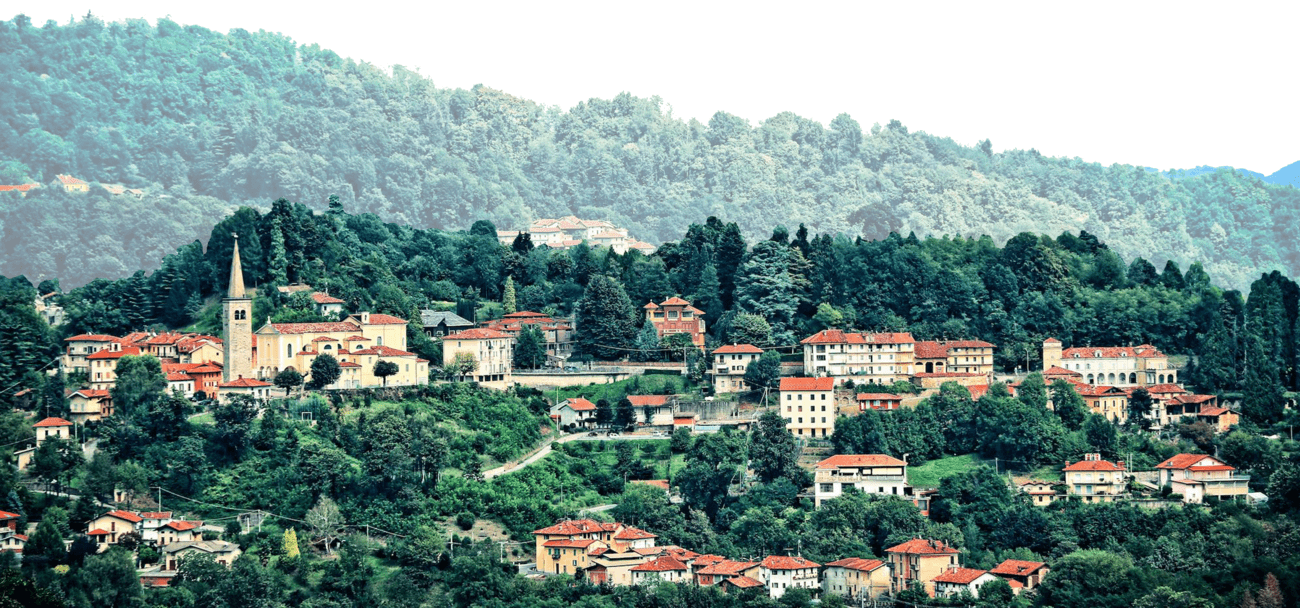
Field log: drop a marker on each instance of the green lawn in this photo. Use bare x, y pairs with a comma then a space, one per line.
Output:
204, 418
929, 474
637, 385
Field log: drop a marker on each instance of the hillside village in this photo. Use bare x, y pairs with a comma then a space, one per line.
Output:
832, 377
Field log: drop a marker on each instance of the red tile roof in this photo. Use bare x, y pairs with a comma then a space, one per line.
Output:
737, 349
920, 546
784, 562
1185, 461
1166, 388
857, 563
960, 576
1057, 370
178, 377
52, 421
663, 563
109, 354
946, 375
1092, 465
206, 368
630, 533
578, 404
93, 394
97, 532
17, 187
860, 460
1213, 411
573, 527
1051, 341
378, 319
181, 526
968, 344
126, 515
1190, 399
244, 383
383, 351
348, 364
91, 338
325, 339
156, 515
931, 350
316, 328
68, 180
477, 333
322, 298
880, 396
726, 567
807, 384
356, 339
674, 301
839, 336
1016, 567
7, 515
742, 582
1111, 352
651, 400
570, 543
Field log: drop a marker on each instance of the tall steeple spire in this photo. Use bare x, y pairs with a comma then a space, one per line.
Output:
236, 274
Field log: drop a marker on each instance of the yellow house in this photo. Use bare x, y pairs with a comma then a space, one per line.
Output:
103, 364
1040, 492
492, 352
563, 547
920, 561
109, 527
1095, 480
364, 339
88, 404
808, 405
72, 184
856, 579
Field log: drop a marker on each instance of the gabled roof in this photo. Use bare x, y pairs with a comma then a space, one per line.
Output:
156, 515
931, 350
880, 396
52, 422
860, 460
383, 351
324, 298
578, 404
1057, 370
1016, 567
960, 576
574, 527
1211, 412
1111, 352
1092, 465
182, 526
206, 546
857, 563
244, 383
315, 328
178, 377
726, 567
674, 301
124, 515
430, 318
1166, 388
785, 562
921, 546
807, 384
839, 336
742, 582
651, 400
68, 180
477, 333
1187, 461
91, 338
111, 354
663, 563
630, 533
7, 515
378, 319
738, 349
569, 543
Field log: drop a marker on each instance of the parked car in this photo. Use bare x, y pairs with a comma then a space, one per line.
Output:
614, 433
592, 434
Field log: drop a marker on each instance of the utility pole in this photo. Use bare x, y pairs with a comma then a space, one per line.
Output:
451, 542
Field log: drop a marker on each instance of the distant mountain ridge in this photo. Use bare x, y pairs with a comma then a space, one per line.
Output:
1286, 176
203, 122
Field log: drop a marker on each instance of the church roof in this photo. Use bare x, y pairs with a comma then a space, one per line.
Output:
236, 289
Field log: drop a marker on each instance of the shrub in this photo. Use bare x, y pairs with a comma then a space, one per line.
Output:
465, 520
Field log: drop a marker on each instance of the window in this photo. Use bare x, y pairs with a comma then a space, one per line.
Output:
379, 340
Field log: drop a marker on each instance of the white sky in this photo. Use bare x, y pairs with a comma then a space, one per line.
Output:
1166, 85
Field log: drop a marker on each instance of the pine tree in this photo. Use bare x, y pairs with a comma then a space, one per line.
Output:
279, 267
508, 297
708, 295
605, 318
291, 550
1271, 595
1263, 397
647, 342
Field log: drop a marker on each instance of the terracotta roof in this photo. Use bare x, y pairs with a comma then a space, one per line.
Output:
860, 460
52, 421
839, 336
931, 350
178, 377
572, 543
477, 333
8, 515
578, 404
1057, 370
880, 396
323, 298
383, 351
968, 344
707, 560
325, 339
1165, 388
315, 328
783, 562
960, 576
630, 533
206, 368
1051, 341
807, 384
650, 306
674, 301
651, 400
348, 364
68, 180
572, 527
156, 515
109, 354
663, 563
947, 375
1016, 567
1110, 352
857, 563
244, 383
126, 515
684, 555
1214, 411
181, 526
378, 319
1191, 399
1092, 465
524, 314
737, 349
742, 582
727, 567
97, 532
356, 339
17, 187
920, 546
1185, 461
91, 338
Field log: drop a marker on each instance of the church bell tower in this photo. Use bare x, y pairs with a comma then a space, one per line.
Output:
237, 323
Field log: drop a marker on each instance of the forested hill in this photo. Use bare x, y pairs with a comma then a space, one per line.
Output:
204, 121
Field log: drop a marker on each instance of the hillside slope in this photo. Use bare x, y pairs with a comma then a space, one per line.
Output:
186, 113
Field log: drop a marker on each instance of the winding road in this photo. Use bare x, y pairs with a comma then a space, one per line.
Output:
541, 453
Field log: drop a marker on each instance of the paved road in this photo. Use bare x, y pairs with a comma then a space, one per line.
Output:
598, 508
513, 466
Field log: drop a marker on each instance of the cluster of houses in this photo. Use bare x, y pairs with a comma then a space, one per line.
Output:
619, 554
570, 231
72, 184
1191, 478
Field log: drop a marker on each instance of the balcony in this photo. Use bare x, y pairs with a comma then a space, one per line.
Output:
829, 477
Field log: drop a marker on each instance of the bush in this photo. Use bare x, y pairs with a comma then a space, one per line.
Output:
465, 520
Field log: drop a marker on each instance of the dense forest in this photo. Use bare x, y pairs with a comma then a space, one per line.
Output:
204, 122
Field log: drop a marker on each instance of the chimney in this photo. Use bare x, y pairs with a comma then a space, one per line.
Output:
365, 318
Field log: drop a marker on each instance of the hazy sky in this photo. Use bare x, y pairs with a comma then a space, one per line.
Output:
1167, 85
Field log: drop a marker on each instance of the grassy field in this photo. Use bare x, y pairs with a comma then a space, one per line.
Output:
614, 391
653, 452
929, 474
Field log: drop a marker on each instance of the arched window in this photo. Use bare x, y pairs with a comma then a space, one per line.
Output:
329, 347
1160, 379
1133, 378
1090, 380
1112, 378
1171, 378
